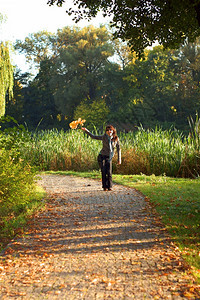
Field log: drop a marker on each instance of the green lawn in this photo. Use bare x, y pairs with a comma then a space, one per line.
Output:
177, 202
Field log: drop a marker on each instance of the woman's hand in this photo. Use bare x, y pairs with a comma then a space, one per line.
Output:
83, 128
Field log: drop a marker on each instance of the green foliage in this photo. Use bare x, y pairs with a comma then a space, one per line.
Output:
16, 185
12, 136
80, 66
18, 195
148, 151
14, 217
161, 90
144, 22
39, 109
15, 106
37, 46
6, 76
71, 67
151, 85
96, 113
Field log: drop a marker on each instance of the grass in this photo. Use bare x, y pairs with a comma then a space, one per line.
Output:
176, 200
15, 224
147, 151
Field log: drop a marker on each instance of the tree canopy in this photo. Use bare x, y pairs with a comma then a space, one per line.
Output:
143, 22
71, 65
78, 76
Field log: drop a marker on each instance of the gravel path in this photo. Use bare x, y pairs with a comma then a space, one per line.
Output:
90, 244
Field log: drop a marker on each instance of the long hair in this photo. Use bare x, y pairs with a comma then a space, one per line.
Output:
114, 135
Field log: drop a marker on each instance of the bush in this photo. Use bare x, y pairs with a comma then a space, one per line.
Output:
16, 185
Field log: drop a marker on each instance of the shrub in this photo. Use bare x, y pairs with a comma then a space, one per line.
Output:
16, 185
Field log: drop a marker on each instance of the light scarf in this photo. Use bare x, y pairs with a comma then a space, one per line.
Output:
110, 145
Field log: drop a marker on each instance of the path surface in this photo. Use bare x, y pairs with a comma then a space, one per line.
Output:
90, 244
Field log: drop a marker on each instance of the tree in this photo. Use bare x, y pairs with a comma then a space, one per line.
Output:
37, 46
71, 68
151, 88
143, 22
38, 104
82, 58
6, 76
187, 68
95, 114
6, 73
14, 107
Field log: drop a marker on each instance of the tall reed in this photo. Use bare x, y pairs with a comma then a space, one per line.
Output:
145, 151
162, 151
59, 150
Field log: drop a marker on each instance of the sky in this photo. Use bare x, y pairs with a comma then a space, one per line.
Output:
24, 17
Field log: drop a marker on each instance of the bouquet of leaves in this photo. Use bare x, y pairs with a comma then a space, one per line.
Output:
75, 124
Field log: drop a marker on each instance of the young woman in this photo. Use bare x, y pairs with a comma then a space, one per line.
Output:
110, 140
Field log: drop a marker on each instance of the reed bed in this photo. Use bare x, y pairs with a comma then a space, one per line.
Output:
59, 150
145, 151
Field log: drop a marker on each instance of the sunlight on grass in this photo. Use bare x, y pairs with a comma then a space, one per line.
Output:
177, 201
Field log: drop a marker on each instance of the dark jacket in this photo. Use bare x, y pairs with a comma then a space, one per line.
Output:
108, 145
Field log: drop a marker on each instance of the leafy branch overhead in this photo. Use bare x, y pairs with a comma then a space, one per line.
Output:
144, 22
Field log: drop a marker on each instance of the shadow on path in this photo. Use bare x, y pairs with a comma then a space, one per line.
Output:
91, 244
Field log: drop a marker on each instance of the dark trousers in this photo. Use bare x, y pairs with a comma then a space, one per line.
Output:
105, 164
